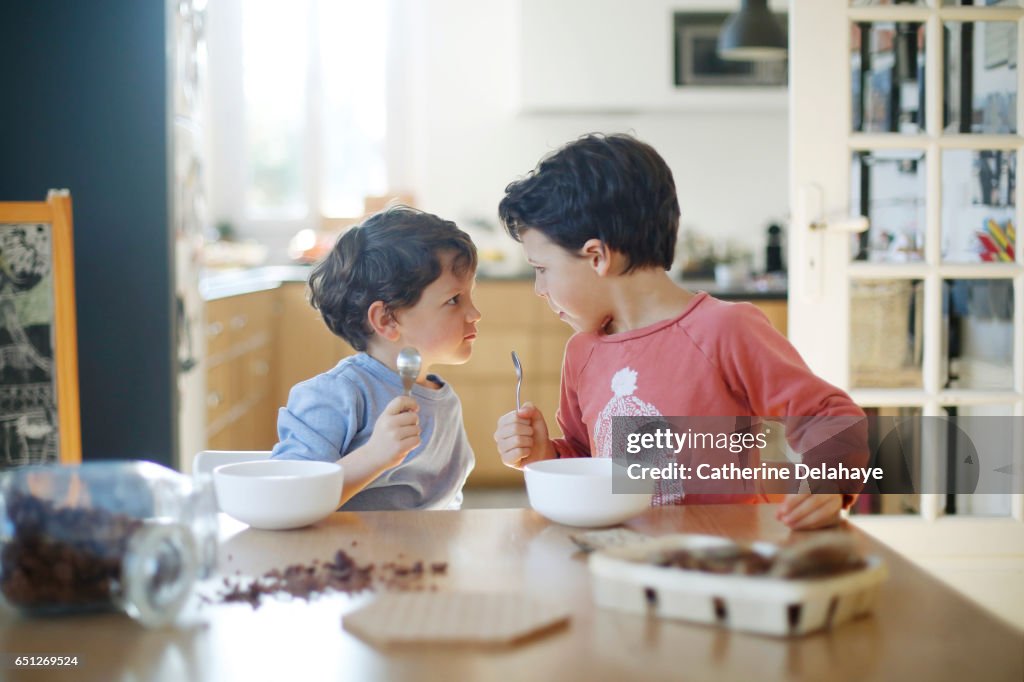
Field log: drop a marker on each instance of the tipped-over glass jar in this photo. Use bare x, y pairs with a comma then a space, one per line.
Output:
107, 535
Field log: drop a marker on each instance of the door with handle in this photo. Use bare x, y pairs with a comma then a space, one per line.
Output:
906, 276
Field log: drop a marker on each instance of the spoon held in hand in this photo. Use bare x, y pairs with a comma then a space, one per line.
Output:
409, 363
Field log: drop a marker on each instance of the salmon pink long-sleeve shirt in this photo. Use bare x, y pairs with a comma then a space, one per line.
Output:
715, 359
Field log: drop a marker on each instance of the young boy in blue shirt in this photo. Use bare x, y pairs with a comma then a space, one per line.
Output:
401, 278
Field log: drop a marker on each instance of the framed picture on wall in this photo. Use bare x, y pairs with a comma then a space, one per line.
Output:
696, 56
39, 409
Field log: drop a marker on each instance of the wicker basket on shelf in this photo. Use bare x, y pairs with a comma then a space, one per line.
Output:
881, 353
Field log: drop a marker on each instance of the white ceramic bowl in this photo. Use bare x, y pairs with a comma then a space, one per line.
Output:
275, 494
577, 491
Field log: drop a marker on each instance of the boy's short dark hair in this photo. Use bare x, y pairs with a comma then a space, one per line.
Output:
609, 187
391, 257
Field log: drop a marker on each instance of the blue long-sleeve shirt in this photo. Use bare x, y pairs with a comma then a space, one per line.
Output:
334, 413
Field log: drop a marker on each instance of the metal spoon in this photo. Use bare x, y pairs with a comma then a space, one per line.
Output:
409, 362
519, 376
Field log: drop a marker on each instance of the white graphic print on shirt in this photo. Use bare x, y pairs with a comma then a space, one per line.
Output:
625, 404
622, 404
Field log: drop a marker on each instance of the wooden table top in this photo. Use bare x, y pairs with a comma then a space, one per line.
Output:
920, 628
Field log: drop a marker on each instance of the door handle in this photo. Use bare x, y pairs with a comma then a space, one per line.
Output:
819, 223
852, 224
814, 205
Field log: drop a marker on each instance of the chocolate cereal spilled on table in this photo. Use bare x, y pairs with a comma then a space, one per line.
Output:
340, 574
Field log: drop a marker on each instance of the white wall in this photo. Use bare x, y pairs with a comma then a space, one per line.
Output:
730, 165
456, 136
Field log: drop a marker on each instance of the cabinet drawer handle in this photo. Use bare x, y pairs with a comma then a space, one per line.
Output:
213, 399
214, 329
239, 321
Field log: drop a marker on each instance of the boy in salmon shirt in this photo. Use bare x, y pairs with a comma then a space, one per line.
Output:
598, 221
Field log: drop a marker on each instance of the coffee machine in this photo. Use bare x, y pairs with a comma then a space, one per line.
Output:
773, 251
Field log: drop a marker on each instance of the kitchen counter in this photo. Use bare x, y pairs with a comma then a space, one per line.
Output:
920, 629
262, 338
751, 290
215, 284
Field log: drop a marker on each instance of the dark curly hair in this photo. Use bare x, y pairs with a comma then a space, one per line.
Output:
391, 257
609, 187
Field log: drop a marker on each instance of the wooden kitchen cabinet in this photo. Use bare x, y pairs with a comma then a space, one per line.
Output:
777, 311
305, 346
261, 344
240, 371
258, 346
513, 318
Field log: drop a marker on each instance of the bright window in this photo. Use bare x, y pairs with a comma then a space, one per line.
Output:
310, 109
353, 67
275, 80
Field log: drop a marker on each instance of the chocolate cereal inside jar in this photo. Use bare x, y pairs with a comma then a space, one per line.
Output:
129, 536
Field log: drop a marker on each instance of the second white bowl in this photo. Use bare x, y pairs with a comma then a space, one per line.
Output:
577, 491
275, 494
